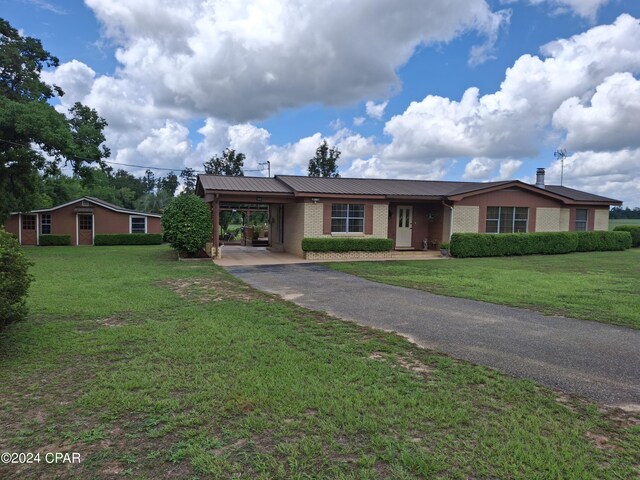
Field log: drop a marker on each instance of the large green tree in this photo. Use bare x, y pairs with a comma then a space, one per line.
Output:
169, 183
324, 163
34, 137
230, 164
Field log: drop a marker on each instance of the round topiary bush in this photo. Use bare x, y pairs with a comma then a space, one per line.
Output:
186, 223
14, 279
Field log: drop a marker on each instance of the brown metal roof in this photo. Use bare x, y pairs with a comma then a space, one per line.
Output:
386, 187
291, 184
242, 184
579, 195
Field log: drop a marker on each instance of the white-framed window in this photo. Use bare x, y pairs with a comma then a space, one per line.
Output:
347, 218
582, 216
45, 223
507, 219
138, 224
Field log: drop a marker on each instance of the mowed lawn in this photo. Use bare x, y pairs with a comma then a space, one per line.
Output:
157, 369
601, 286
623, 221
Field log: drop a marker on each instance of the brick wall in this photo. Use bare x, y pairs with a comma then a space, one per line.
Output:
380, 221
466, 219
345, 255
565, 218
601, 221
548, 219
293, 227
313, 219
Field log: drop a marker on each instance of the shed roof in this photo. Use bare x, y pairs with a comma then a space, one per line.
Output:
97, 201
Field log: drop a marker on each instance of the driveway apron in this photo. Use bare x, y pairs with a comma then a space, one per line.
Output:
598, 361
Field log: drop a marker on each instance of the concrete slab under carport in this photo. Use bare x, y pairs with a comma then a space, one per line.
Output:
236, 256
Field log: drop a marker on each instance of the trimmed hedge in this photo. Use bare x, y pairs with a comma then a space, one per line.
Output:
603, 241
539, 243
50, 240
346, 244
128, 239
634, 230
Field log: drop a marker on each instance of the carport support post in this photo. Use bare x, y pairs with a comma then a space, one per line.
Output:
215, 227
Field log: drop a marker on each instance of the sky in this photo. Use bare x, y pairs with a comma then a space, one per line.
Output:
474, 90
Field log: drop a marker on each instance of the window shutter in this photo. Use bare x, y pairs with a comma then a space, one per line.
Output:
368, 219
326, 218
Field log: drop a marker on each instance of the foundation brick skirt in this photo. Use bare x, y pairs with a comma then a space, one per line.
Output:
346, 255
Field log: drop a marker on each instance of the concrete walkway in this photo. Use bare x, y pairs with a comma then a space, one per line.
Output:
598, 361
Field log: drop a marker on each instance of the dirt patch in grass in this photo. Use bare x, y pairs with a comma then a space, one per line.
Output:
205, 290
407, 362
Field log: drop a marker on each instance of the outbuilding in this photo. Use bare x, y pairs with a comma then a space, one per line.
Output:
82, 219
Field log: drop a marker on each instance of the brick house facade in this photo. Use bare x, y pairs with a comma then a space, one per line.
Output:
415, 214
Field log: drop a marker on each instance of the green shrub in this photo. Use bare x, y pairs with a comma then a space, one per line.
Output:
128, 239
187, 223
634, 230
55, 240
14, 279
346, 244
539, 243
601, 241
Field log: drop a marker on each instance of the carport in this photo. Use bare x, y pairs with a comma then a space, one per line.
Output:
221, 192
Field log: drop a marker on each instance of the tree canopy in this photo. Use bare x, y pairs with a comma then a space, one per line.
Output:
34, 137
230, 163
324, 163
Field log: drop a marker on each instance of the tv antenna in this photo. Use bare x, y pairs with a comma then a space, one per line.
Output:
268, 164
561, 154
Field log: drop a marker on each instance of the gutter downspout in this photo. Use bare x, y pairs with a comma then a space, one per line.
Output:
450, 207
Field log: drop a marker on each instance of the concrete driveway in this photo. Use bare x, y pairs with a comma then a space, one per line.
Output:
594, 360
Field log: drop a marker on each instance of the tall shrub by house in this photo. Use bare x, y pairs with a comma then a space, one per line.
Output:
14, 279
186, 223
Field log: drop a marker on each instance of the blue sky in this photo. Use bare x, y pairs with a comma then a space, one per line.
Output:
273, 78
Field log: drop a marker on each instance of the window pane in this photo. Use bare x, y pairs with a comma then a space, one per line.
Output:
338, 225
45, 223
29, 222
356, 225
85, 222
407, 218
506, 220
492, 226
339, 210
520, 226
138, 224
400, 217
582, 214
356, 211
522, 213
493, 213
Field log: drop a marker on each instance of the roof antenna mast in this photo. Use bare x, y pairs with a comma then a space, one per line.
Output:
561, 154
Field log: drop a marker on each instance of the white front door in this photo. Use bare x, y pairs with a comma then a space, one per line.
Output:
403, 226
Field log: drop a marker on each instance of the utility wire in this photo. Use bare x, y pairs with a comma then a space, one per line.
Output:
126, 164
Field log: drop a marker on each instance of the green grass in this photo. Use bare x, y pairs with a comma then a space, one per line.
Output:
152, 368
601, 286
620, 221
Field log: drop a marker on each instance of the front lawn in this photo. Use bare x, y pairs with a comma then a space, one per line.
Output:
157, 369
601, 286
